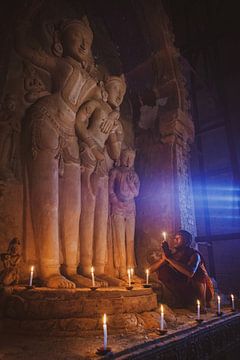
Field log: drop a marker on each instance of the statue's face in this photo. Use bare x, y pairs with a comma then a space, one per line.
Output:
77, 42
116, 92
10, 104
127, 159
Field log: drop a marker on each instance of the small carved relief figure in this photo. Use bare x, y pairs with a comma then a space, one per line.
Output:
51, 149
123, 188
9, 134
34, 86
11, 260
100, 132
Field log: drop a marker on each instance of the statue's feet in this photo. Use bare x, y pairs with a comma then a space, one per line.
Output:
98, 280
58, 281
82, 281
111, 281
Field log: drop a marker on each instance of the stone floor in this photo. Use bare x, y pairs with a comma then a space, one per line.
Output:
19, 347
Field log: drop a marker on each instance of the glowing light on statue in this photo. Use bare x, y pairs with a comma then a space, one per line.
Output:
198, 310
31, 276
218, 305
104, 332
129, 277
233, 302
147, 276
161, 318
164, 234
93, 277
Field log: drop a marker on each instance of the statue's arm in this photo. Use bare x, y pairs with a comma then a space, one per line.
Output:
37, 57
112, 196
82, 123
114, 141
188, 269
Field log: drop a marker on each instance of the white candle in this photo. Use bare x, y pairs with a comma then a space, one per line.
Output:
93, 278
198, 309
104, 332
31, 276
233, 304
129, 277
147, 276
219, 304
162, 318
132, 271
164, 234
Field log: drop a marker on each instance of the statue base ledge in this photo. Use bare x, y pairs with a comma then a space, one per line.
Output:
79, 311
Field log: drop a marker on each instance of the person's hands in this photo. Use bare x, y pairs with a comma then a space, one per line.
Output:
166, 251
99, 155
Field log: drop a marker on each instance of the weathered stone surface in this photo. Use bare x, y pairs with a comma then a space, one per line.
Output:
77, 310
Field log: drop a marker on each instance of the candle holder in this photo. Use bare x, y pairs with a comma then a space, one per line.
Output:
219, 313
162, 332
129, 287
199, 321
147, 286
101, 351
28, 287
93, 288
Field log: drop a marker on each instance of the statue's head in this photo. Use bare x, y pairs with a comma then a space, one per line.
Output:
14, 246
127, 157
182, 239
116, 89
10, 102
74, 38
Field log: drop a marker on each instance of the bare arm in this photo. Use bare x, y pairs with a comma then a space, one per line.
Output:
155, 266
188, 269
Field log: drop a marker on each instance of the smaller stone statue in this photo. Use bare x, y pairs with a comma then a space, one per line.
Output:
11, 260
123, 188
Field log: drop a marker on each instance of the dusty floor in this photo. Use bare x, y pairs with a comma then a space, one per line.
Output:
19, 347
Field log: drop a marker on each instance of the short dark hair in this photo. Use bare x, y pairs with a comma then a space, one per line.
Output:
186, 236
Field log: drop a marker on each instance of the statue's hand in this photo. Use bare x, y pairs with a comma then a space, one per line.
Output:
98, 154
106, 125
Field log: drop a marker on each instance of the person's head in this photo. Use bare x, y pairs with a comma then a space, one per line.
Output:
127, 157
74, 38
116, 88
182, 239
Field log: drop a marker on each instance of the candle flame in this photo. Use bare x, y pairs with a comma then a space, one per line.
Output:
232, 296
162, 311
132, 271
129, 271
147, 271
32, 268
198, 302
164, 234
92, 269
218, 298
104, 319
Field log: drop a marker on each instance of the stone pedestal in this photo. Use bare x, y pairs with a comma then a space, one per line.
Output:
79, 311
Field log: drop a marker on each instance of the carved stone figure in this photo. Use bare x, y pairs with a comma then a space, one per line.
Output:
100, 133
9, 135
11, 260
34, 86
123, 188
52, 184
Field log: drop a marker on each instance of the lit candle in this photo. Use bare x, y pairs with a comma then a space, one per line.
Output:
147, 276
31, 276
198, 309
129, 277
132, 271
162, 318
93, 278
233, 304
104, 332
164, 234
219, 304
